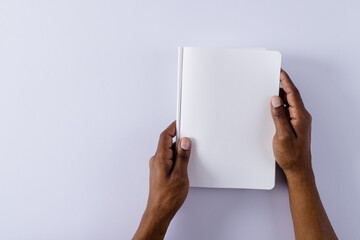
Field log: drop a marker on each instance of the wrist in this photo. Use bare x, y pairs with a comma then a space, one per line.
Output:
155, 216
152, 225
304, 177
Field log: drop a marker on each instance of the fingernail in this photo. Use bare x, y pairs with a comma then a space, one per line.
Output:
276, 101
185, 144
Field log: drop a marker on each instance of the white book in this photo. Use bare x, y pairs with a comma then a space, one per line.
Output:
224, 107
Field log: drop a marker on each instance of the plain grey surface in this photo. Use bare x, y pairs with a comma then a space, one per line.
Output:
86, 87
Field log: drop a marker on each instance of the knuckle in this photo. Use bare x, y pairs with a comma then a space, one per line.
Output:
283, 136
169, 154
161, 155
279, 113
296, 91
182, 155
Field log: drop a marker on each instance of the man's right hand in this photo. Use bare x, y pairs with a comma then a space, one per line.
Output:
291, 147
291, 143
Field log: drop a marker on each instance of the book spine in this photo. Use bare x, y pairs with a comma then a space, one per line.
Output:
179, 92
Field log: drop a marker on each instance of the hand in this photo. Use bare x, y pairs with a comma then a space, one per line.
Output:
291, 147
169, 185
291, 143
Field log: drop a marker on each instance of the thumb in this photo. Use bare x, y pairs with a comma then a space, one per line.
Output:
183, 150
281, 120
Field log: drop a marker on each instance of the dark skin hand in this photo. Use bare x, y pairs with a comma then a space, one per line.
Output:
291, 145
169, 183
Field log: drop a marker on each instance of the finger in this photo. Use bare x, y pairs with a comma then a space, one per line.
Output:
182, 156
299, 116
282, 95
164, 154
166, 137
281, 120
293, 96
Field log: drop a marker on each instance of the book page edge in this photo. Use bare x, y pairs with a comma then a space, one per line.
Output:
179, 92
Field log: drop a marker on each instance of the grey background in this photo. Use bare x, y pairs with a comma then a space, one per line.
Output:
86, 87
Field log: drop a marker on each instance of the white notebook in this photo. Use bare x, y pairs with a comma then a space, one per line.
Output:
224, 107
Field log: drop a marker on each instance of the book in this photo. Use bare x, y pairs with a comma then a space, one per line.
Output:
223, 105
